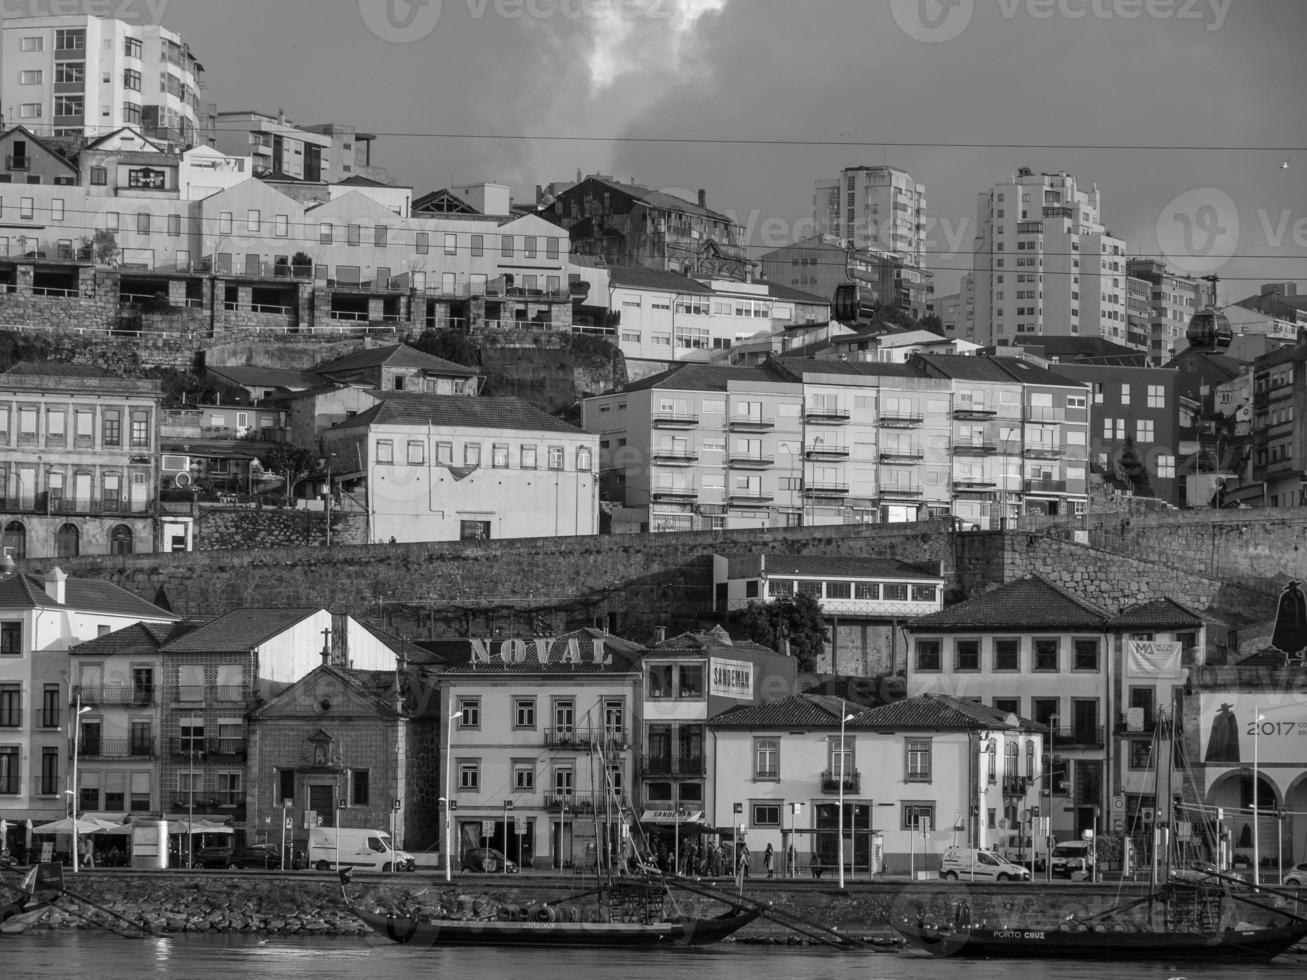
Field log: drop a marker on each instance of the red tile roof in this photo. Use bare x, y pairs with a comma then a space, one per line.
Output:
1031, 605
239, 631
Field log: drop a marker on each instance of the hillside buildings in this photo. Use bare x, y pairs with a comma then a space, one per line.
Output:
1173, 300
1045, 263
79, 75
821, 263
876, 208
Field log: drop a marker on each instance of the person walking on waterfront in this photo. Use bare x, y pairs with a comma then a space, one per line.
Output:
742, 871
814, 865
768, 856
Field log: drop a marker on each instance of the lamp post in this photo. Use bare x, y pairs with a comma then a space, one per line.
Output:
1048, 779
77, 731
839, 847
326, 461
449, 799
1257, 822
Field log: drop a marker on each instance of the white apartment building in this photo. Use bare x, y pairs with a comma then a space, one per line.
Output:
80, 75
1173, 300
879, 208
1045, 264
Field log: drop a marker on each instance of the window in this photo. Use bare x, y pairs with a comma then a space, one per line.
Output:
132, 47
140, 431
26, 208
358, 787
67, 541
31, 44
524, 712
1008, 706
928, 656
766, 758
1007, 654
506, 246
11, 706
451, 244
524, 776
385, 451
1144, 430
1046, 657
472, 454
1156, 396
325, 233
917, 763
225, 223
966, 654
9, 763
50, 699
765, 813
478, 245
99, 176
422, 243
584, 460
69, 105
1125, 394
471, 709
551, 248
924, 593
474, 531
253, 221
918, 816
142, 222
31, 76
50, 773
281, 225
529, 457
555, 457
29, 110
132, 80
469, 775
1085, 655
417, 452
353, 234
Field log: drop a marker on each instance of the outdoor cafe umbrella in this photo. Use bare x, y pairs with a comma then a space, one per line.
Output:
85, 825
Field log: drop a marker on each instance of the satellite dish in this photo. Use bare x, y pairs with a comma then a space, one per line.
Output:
183, 480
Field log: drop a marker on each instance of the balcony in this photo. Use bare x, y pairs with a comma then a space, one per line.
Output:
194, 695
751, 424
567, 737
1044, 452
826, 452
115, 694
830, 782
974, 449
901, 420
908, 455
1016, 785
56, 503
1044, 413
673, 457
975, 413
826, 490
675, 420
750, 499
974, 486
114, 748
13, 162
749, 462
900, 491
200, 749
675, 494
1044, 486
827, 416
1080, 736
656, 765
570, 802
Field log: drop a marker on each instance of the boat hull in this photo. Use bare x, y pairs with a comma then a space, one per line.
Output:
684, 931
1252, 945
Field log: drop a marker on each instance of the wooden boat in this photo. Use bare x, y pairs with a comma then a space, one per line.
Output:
28, 909
1178, 922
617, 916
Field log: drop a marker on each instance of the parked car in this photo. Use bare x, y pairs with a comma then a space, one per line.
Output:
1072, 858
487, 859
1196, 872
1296, 877
973, 864
238, 858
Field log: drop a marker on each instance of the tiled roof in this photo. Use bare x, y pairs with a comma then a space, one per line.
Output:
396, 355
695, 377
1084, 350
842, 567
931, 711
811, 711
23, 591
239, 631
1031, 605
800, 367
139, 639
637, 277
1002, 369
410, 651
1162, 614
715, 640
458, 654
358, 180
661, 199
458, 411
266, 377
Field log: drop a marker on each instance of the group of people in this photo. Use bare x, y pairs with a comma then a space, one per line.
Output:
712, 859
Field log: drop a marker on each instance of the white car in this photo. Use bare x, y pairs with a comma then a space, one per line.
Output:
1296, 877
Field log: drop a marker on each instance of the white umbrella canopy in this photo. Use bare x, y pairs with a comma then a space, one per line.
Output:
85, 825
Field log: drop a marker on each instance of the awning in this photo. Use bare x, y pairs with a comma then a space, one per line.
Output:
671, 816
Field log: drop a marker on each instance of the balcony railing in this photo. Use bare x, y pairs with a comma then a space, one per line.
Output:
974, 449
977, 412
675, 457
116, 694
17, 163
690, 765
1080, 735
114, 748
826, 490
748, 423
675, 493
50, 503
830, 781
827, 452
567, 737
199, 749
827, 416
1044, 452
572, 803
187, 694
675, 420
974, 486
657, 765
906, 455
750, 499
900, 491
901, 419
1015, 785
1044, 486
746, 461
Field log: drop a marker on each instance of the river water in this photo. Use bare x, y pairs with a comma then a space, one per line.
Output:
189, 957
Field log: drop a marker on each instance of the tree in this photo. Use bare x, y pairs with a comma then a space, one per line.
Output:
102, 246
794, 618
291, 462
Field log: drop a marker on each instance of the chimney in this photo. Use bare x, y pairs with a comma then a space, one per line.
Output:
56, 584
703, 198
281, 116
660, 634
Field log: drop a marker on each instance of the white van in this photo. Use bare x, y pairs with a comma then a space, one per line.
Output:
977, 865
367, 850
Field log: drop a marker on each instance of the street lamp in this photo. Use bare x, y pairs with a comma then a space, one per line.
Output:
1048, 780
326, 461
77, 731
839, 847
449, 799
1257, 817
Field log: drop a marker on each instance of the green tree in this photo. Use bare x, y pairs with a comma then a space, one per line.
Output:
796, 618
452, 345
290, 462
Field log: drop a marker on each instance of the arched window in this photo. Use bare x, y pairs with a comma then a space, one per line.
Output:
120, 540
15, 539
67, 541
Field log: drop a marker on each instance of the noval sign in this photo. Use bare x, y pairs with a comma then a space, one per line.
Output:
730, 678
522, 651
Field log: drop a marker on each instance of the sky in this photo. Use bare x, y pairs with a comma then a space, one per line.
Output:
1183, 112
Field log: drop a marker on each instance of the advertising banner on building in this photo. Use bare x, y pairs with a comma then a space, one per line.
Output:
730, 678
1154, 658
1228, 723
